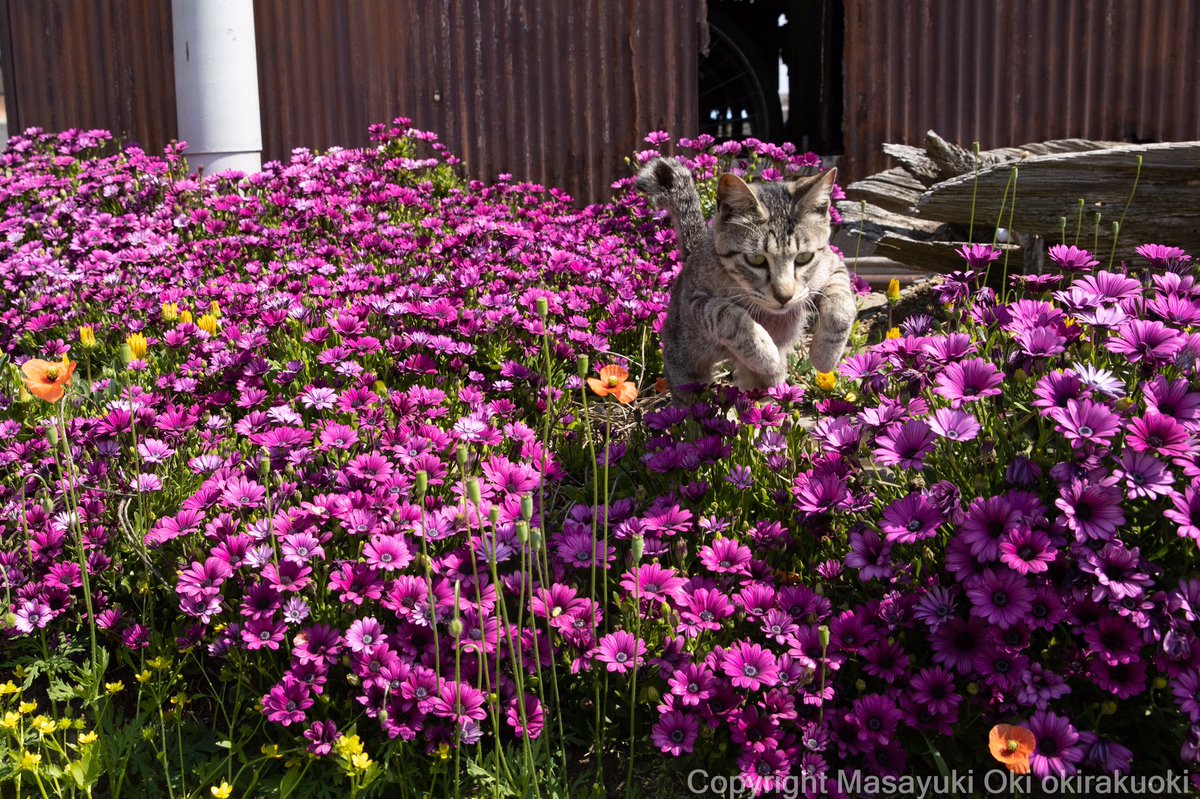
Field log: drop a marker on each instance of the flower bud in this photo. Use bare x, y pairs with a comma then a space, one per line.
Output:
893, 291
185, 317
523, 531
264, 465
215, 309
87, 337
535, 537
460, 455
456, 628
52, 435
494, 515
823, 636
473, 492
543, 307
581, 366
526, 506
126, 354
170, 311
639, 547
421, 485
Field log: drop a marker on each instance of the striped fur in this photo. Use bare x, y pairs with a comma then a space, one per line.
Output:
752, 282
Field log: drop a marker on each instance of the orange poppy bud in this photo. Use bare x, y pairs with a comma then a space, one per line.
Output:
45, 379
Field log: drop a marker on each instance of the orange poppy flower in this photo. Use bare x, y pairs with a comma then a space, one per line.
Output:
1012, 746
613, 381
45, 379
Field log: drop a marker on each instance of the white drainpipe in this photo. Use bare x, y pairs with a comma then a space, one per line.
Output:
216, 84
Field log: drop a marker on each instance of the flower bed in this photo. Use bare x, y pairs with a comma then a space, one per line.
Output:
355, 511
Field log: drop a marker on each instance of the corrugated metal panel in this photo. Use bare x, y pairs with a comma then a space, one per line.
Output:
1005, 72
554, 92
91, 64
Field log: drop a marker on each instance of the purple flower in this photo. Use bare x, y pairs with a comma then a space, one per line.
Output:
875, 718
621, 651
910, 519
1071, 258
1145, 476
1145, 341
953, 424
1186, 513
1057, 752
905, 445
675, 732
286, 702
978, 256
1027, 551
1091, 510
968, 381
751, 667
1158, 434
1000, 596
1161, 256
1086, 422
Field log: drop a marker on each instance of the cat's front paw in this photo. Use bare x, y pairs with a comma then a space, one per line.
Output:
747, 379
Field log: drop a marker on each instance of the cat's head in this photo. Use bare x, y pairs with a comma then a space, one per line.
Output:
773, 237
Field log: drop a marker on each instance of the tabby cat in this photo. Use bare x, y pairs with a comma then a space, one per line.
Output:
752, 281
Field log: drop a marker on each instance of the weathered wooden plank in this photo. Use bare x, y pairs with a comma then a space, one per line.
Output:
916, 162
935, 256
1164, 209
893, 189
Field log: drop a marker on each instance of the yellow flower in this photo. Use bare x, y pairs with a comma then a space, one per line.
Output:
29, 761
44, 725
348, 746
443, 751
114, 687
143, 676
222, 791
27, 707
87, 337
179, 700
893, 291
271, 751
826, 381
9, 688
893, 333
361, 761
208, 323
214, 308
10, 720
159, 663
88, 737
137, 345
170, 311
185, 317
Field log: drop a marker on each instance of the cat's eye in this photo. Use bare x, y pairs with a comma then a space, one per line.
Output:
756, 260
804, 258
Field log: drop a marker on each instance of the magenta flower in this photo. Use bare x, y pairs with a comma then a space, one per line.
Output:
1186, 513
1160, 435
1000, 596
1071, 258
751, 667
652, 581
1145, 476
286, 702
1027, 551
1091, 510
675, 732
726, 556
956, 425
1057, 752
1086, 422
905, 445
1145, 341
910, 519
978, 256
968, 381
1161, 256
620, 651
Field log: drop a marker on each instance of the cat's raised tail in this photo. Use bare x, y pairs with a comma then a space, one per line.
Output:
669, 183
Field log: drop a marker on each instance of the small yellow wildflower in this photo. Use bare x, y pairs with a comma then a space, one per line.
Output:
348, 746
893, 291
114, 688
271, 751
826, 381
208, 323
10, 720
179, 700
137, 345
892, 333
170, 311
88, 737
185, 317
361, 761
222, 791
9, 687
29, 761
159, 663
27, 707
214, 308
443, 751
44, 725
87, 337
143, 676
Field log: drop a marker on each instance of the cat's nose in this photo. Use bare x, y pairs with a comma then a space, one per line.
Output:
782, 297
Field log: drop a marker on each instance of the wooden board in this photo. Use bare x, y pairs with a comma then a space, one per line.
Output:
938, 256
1165, 208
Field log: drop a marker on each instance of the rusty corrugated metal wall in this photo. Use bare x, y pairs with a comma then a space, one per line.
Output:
554, 91
90, 64
1006, 72
551, 91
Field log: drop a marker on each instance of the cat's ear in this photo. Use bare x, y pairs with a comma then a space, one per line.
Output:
814, 191
735, 198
